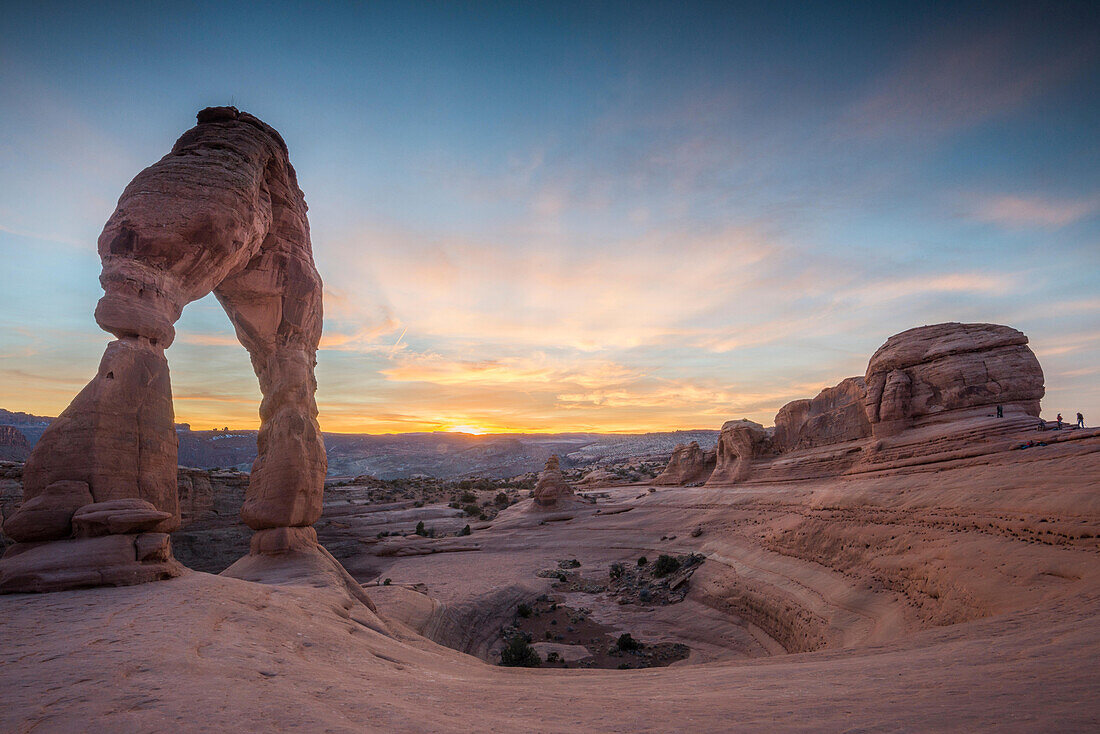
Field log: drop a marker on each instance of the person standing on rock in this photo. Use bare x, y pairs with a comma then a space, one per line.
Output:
1059, 420
1000, 411
1080, 420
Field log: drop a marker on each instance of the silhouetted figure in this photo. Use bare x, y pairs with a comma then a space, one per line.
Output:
1080, 421
1059, 419
1042, 425
1000, 412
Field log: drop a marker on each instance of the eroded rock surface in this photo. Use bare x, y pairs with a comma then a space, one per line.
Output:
836, 415
13, 444
689, 464
740, 442
551, 487
950, 371
222, 213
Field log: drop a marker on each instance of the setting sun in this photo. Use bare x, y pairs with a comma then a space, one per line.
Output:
475, 430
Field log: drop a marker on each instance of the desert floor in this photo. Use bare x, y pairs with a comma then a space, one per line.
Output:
953, 594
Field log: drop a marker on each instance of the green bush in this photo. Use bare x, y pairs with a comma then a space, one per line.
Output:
501, 500
518, 654
524, 610
387, 582
665, 565
642, 560
468, 497
616, 571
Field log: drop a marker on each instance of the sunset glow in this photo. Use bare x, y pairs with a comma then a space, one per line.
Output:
523, 227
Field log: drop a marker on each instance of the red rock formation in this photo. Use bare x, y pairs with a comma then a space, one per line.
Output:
551, 486
739, 443
222, 212
13, 444
951, 371
836, 415
687, 465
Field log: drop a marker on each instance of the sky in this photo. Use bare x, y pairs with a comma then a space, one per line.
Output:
549, 217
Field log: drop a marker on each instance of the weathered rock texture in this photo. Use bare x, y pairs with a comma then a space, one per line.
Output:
950, 371
13, 444
551, 486
689, 464
739, 443
836, 415
221, 212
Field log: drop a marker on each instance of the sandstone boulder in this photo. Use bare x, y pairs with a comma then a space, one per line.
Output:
836, 415
949, 372
689, 464
551, 486
116, 517
109, 560
50, 514
739, 443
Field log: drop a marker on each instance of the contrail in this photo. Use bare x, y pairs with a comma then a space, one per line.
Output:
394, 347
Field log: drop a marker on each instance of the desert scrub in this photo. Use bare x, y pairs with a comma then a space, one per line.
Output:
664, 565
518, 654
626, 643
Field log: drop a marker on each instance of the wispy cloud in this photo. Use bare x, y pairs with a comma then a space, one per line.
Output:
1023, 212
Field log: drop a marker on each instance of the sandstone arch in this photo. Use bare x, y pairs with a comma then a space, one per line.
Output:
221, 213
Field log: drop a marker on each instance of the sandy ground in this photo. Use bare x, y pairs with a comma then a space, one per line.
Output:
951, 596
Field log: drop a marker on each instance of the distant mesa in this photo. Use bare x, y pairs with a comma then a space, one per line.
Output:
221, 213
552, 487
941, 378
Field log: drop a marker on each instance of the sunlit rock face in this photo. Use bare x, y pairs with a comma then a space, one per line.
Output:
951, 371
836, 415
221, 213
739, 443
689, 464
551, 487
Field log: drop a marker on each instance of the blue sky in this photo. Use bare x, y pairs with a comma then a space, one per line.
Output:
577, 216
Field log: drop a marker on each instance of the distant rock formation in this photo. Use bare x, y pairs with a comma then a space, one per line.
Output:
950, 371
600, 477
221, 212
551, 487
13, 444
689, 464
739, 444
836, 415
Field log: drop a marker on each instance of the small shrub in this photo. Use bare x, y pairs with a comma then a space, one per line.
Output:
501, 500
624, 666
616, 571
465, 530
553, 657
387, 582
468, 498
664, 565
518, 654
642, 560
626, 643
420, 529
523, 610
471, 509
